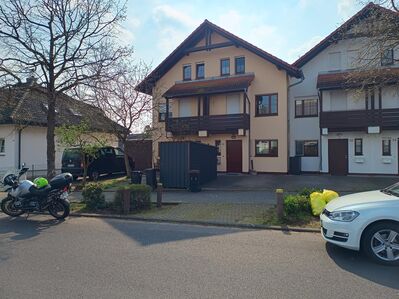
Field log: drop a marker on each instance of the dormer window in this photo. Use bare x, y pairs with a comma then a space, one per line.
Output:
200, 71
75, 112
46, 106
225, 67
387, 57
186, 72
240, 65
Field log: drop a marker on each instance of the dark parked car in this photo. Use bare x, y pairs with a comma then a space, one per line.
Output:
108, 160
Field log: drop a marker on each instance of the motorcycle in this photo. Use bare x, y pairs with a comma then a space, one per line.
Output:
25, 197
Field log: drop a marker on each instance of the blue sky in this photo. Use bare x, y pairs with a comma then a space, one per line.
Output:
285, 28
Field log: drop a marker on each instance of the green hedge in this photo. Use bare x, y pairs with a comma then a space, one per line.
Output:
140, 197
296, 205
93, 196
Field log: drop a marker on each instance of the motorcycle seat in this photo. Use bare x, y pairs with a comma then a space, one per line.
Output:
40, 191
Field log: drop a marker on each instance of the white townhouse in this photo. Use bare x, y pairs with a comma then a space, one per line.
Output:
334, 126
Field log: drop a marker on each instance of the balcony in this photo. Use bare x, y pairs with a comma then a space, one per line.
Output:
214, 124
359, 120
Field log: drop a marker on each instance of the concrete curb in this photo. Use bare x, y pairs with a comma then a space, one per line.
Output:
202, 223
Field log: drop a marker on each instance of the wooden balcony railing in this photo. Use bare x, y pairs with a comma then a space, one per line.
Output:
360, 119
216, 124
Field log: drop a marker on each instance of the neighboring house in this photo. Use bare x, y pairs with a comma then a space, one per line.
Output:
336, 128
218, 89
23, 119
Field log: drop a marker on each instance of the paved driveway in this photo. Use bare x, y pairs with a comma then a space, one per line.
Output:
94, 258
294, 183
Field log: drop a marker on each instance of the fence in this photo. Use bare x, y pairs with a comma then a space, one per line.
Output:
35, 170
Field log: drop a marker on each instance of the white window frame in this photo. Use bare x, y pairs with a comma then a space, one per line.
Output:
2, 146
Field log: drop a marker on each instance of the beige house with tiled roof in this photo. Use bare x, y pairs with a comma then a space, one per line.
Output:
218, 89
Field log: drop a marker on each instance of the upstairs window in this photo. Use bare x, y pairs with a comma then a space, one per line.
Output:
240, 65
306, 108
225, 67
187, 72
387, 57
162, 112
386, 147
200, 71
266, 104
2, 145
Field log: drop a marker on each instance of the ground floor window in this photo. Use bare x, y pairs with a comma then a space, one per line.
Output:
218, 146
307, 148
358, 146
266, 148
386, 147
2, 146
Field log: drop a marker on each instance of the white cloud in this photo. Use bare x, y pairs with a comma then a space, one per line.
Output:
297, 52
231, 21
126, 32
346, 8
253, 29
169, 39
172, 13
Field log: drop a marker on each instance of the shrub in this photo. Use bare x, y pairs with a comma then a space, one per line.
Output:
93, 196
296, 205
307, 191
140, 197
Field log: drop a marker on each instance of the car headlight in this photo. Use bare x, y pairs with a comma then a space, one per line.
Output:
346, 216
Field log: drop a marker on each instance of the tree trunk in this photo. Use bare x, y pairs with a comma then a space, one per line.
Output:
50, 134
127, 164
85, 166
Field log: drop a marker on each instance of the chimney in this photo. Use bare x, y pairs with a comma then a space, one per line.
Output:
31, 80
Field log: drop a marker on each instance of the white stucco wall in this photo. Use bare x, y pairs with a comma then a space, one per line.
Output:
8, 159
33, 148
372, 160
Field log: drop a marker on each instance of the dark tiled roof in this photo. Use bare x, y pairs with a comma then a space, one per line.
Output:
27, 105
212, 86
357, 78
338, 33
148, 83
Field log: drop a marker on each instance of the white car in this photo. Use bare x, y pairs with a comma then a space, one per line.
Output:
367, 221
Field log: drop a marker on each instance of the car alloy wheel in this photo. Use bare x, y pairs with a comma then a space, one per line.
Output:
385, 245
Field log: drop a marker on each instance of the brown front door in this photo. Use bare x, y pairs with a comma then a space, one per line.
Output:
234, 155
338, 156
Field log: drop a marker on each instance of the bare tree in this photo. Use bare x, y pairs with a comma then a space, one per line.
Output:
378, 33
62, 43
118, 98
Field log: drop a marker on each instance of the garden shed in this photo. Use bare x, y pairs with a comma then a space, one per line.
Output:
177, 159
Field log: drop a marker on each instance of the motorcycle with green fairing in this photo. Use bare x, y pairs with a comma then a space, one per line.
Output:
25, 196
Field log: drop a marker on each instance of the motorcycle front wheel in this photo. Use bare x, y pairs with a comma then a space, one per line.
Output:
7, 206
59, 210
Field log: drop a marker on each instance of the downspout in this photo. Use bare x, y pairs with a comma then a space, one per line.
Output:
246, 98
320, 94
19, 148
289, 117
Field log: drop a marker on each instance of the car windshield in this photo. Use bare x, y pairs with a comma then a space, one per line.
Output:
392, 190
71, 154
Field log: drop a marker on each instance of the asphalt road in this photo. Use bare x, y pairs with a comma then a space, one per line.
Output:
95, 258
